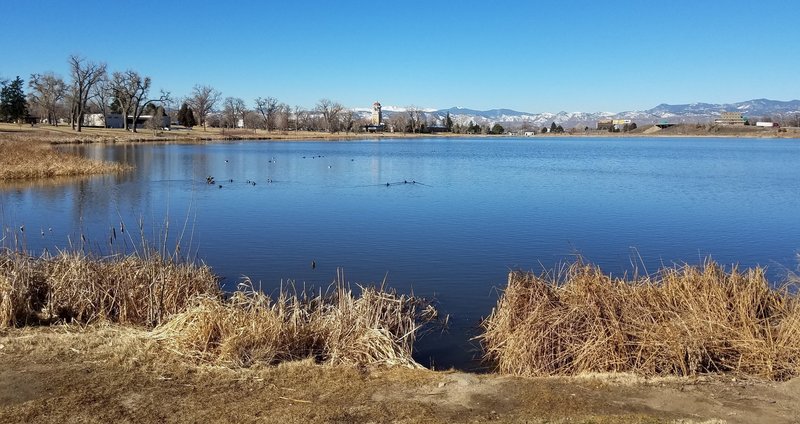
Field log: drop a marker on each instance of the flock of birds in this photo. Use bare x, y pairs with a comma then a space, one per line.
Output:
211, 181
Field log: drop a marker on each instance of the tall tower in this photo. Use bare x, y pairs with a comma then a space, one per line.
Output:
377, 117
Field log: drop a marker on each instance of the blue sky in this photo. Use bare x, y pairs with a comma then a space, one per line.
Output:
524, 55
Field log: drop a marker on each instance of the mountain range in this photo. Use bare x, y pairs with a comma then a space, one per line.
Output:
757, 109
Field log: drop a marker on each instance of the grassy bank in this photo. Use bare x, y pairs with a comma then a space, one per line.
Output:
65, 135
163, 330
682, 321
184, 305
110, 373
23, 158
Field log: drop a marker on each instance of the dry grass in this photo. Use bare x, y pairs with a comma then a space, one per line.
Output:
682, 321
75, 287
20, 159
338, 327
65, 135
186, 306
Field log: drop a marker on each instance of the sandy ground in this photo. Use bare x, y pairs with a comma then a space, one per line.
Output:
111, 374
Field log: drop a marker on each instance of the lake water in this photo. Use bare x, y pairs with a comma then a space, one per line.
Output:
471, 210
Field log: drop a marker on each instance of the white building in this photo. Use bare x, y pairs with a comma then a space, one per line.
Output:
114, 120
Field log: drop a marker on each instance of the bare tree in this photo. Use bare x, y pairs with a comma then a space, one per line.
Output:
330, 114
156, 121
85, 75
283, 116
203, 100
47, 90
398, 122
130, 90
415, 117
300, 118
102, 96
348, 118
234, 109
267, 107
252, 120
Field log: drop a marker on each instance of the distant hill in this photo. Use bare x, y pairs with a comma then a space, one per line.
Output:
695, 112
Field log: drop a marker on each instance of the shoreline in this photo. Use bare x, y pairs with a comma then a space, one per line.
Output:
107, 373
64, 135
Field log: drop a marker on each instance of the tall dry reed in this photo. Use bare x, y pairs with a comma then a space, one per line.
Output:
33, 159
337, 327
78, 287
685, 320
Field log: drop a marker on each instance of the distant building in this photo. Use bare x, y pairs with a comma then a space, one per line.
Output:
377, 116
109, 120
376, 121
730, 118
529, 133
605, 124
767, 124
114, 120
436, 129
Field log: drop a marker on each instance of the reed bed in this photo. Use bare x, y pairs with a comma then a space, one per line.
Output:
21, 159
77, 287
683, 321
336, 327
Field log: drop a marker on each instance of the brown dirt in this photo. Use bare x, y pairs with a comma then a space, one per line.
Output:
114, 374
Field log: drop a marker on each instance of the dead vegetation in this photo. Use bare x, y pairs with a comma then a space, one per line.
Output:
681, 321
185, 304
21, 158
76, 287
337, 327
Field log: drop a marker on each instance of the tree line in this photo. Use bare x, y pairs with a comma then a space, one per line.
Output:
92, 88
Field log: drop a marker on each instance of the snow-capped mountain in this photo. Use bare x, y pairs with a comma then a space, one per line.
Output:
687, 113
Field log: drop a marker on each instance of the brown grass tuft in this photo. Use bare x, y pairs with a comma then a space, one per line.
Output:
21, 158
682, 321
338, 327
76, 287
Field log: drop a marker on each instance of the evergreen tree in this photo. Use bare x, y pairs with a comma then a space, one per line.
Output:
186, 116
13, 107
448, 123
553, 127
181, 117
497, 129
190, 121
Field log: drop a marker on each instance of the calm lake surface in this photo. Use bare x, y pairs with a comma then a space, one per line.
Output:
479, 208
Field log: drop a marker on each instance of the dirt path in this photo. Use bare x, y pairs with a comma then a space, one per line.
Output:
118, 375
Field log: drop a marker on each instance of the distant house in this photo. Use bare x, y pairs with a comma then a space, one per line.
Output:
529, 133
619, 124
436, 128
109, 120
731, 118
374, 128
605, 124
767, 124
114, 120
